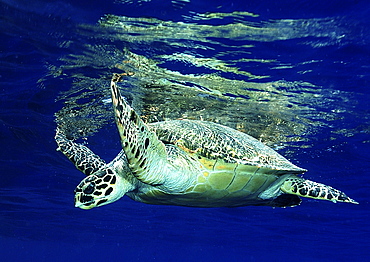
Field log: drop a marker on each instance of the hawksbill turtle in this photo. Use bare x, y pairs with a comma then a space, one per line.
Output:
188, 163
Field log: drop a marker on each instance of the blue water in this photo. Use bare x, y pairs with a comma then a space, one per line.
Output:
303, 88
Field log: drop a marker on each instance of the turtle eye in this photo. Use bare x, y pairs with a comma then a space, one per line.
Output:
89, 189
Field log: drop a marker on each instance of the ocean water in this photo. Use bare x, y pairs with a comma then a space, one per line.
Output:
294, 74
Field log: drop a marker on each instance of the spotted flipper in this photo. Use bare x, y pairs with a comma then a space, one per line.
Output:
145, 153
306, 188
82, 157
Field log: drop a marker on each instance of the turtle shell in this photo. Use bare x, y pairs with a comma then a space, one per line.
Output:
213, 141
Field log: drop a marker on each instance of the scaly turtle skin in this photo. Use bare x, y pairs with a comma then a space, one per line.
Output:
188, 163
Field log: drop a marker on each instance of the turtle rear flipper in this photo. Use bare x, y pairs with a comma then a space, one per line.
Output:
306, 188
82, 157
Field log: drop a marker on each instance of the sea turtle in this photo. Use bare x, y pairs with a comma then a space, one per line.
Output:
188, 163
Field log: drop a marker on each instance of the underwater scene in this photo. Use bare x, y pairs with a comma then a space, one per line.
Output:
295, 75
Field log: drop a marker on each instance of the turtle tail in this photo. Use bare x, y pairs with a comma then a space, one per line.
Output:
306, 188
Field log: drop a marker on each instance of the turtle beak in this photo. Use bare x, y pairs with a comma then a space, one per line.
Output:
84, 202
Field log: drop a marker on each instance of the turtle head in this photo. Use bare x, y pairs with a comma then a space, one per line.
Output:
101, 188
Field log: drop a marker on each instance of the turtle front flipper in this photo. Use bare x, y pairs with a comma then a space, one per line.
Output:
306, 188
82, 157
145, 153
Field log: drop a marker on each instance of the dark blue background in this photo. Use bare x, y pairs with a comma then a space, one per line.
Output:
37, 217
